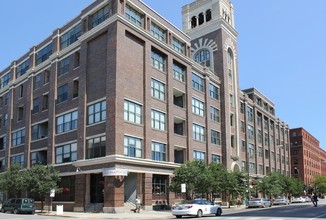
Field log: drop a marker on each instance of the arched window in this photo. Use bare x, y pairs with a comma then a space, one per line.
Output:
208, 15
203, 57
200, 18
193, 22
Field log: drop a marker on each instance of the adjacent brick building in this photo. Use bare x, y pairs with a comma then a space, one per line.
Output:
308, 159
118, 97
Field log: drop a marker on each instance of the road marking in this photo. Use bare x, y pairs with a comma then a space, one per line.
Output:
317, 217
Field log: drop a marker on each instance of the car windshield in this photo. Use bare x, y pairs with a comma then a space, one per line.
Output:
280, 197
255, 199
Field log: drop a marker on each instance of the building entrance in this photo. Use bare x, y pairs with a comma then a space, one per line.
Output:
97, 188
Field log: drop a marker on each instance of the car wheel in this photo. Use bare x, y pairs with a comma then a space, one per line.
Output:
33, 212
178, 216
263, 206
15, 211
2, 210
218, 212
199, 213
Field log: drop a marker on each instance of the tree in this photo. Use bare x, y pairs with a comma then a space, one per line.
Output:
13, 181
41, 179
320, 183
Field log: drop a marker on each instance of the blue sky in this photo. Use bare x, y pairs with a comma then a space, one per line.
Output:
281, 47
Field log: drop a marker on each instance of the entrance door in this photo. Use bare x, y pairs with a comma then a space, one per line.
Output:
97, 188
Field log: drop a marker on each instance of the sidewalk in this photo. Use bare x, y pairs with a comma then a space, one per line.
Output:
130, 215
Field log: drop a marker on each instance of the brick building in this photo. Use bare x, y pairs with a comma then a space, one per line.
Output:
308, 159
118, 97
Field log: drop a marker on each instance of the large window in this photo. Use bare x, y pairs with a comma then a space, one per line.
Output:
5, 80
158, 151
95, 147
197, 83
197, 107
133, 16
18, 137
250, 114
62, 93
214, 92
159, 184
40, 131
203, 57
132, 147
215, 114
199, 155
198, 132
158, 60
67, 122
70, 37
66, 153
177, 45
158, 120
22, 68
251, 133
43, 54
216, 158
157, 32
3, 142
179, 72
132, 112
17, 159
37, 81
97, 112
215, 137
63, 66
100, 16
158, 89
251, 151
67, 184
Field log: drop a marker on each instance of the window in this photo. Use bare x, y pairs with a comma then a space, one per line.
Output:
45, 103
158, 89
216, 158
62, 93
66, 153
39, 157
249, 114
46, 76
5, 80
198, 132
197, 83
133, 16
21, 91
20, 113
43, 54
67, 184
19, 159
100, 16
215, 137
40, 131
243, 145
251, 168
70, 37
243, 166
75, 89
179, 72
132, 112
37, 81
197, 107
63, 66
159, 184
97, 112
294, 134
18, 137
259, 136
215, 114
67, 122
251, 151
177, 45
36, 105
203, 57
158, 60
5, 119
22, 68
158, 151
158, 120
2, 165
132, 147
243, 127
250, 132
95, 147
260, 152
3, 142
214, 92
157, 32
199, 155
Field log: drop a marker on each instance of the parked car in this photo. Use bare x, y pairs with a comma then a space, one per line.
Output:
307, 198
196, 207
298, 199
259, 202
281, 200
19, 205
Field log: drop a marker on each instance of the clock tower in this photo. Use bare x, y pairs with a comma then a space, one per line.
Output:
211, 28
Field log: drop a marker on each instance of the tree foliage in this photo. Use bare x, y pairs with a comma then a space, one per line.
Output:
13, 181
320, 184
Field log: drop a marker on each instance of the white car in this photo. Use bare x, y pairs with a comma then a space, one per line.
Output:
281, 200
298, 199
196, 207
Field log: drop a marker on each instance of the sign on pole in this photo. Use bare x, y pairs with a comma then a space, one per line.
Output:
52, 193
183, 187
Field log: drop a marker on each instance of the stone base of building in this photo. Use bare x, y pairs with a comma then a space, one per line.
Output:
113, 209
79, 209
